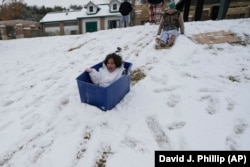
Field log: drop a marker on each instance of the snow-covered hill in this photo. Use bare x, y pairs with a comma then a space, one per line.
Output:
194, 97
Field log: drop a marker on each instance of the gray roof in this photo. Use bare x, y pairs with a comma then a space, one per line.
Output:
74, 15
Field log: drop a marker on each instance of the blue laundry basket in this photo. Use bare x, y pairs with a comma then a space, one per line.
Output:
104, 98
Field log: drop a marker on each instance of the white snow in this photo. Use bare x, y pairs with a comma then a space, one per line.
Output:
186, 101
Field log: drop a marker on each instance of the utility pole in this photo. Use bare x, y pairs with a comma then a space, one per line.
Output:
198, 10
224, 4
186, 5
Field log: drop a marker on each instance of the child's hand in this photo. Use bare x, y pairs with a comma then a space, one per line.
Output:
88, 69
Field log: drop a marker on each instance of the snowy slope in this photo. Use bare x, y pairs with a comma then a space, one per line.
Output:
187, 101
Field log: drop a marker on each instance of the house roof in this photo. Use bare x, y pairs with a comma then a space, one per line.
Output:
91, 3
60, 16
101, 1
104, 10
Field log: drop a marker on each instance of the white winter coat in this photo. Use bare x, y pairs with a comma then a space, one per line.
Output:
103, 77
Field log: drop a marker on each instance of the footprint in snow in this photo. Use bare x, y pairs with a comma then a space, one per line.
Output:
209, 90
173, 100
230, 104
31, 121
231, 143
162, 80
176, 125
212, 106
240, 127
63, 102
8, 102
131, 143
165, 89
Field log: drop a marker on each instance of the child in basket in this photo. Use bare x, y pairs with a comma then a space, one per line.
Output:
111, 70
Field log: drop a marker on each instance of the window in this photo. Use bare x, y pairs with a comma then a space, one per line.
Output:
112, 24
91, 9
114, 6
53, 24
70, 23
73, 32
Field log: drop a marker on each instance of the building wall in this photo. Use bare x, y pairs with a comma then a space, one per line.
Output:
102, 23
66, 28
107, 19
71, 27
79, 27
52, 29
84, 21
69, 30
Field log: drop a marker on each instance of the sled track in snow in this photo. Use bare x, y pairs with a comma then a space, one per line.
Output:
158, 133
29, 144
104, 154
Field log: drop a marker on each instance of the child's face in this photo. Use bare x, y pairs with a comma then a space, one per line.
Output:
111, 65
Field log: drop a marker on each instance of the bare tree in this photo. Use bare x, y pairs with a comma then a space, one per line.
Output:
3, 1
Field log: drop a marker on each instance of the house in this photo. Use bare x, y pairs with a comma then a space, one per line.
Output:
93, 17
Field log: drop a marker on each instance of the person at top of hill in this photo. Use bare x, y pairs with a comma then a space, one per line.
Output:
155, 10
125, 8
111, 70
170, 24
